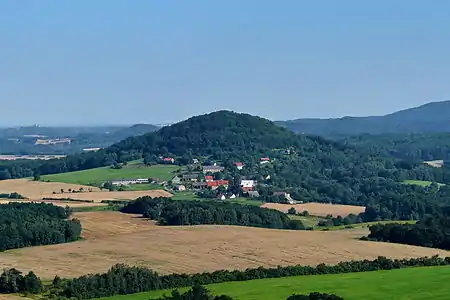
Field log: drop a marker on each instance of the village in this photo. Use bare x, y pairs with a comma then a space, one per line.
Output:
207, 181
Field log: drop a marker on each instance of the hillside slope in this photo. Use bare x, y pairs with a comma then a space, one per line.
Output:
427, 118
316, 170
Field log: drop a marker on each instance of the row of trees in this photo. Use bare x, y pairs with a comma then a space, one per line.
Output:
168, 212
198, 292
431, 231
123, 279
33, 224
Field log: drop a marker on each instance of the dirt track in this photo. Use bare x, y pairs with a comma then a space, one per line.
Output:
319, 209
112, 237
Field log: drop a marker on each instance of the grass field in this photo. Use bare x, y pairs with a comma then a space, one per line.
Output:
421, 182
404, 284
113, 237
99, 175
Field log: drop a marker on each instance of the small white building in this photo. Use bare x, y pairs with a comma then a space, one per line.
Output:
122, 182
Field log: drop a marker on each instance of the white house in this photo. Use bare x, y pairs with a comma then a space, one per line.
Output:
247, 185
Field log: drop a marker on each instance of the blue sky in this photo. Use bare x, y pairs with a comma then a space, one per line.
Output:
124, 62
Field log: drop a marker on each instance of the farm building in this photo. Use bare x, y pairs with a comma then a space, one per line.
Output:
212, 169
176, 180
121, 182
189, 177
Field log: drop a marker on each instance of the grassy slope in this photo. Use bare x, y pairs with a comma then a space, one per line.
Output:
406, 284
100, 175
421, 182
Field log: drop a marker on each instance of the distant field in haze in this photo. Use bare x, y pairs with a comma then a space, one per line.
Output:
406, 284
100, 175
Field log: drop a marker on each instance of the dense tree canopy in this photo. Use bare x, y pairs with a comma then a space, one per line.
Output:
169, 212
33, 224
429, 232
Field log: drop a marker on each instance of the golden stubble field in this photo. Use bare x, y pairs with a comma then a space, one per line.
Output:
318, 209
112, 237
36, 190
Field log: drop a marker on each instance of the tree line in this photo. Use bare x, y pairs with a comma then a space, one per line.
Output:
34, 224
198, 292
431, 231
122, 279
168, 212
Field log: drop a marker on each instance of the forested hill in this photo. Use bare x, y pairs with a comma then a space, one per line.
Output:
429, 118
410, 147
310, 168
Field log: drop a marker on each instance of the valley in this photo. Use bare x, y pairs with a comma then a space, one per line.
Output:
113, 237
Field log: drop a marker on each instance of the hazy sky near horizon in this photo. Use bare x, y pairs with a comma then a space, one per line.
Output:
148, 61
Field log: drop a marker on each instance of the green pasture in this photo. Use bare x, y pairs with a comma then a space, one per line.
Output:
98, 176
402, 284
421, 182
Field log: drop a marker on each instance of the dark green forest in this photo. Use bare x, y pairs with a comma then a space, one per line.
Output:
34, 224
175, 213
410, 147
431, 231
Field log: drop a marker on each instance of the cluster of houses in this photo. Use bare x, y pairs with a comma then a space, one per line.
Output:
206, 179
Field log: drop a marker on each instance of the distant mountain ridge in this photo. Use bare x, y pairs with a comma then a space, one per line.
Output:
432, 117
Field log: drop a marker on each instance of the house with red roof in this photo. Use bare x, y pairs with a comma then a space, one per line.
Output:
169, 160
216, 183
264, 160
209, 178
239, 165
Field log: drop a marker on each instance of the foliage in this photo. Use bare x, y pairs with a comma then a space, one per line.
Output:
12, 195
168, 212
315, 296
431, 231
197, 292
33, 224
12, 281
409, 147
122, 279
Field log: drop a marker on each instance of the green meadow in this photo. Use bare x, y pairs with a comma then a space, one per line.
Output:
430, 283
100, 175
421, 182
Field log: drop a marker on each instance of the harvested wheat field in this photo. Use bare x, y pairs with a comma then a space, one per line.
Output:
318, 209
58, 203
124, 195
38, 189
112, 237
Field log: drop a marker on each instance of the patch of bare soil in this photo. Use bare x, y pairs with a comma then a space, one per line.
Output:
318, 209
112, 237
